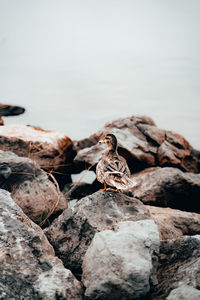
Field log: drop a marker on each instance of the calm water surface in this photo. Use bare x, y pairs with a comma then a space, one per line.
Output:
76, 64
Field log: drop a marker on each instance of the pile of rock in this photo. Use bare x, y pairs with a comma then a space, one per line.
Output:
99, 245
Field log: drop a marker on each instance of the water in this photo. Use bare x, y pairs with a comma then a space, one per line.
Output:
76, 64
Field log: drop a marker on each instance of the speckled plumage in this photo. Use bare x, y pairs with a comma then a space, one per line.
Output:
112, 168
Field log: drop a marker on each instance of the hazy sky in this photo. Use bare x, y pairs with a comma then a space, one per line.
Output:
76, 64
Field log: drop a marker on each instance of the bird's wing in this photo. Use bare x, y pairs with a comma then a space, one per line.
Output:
116, 166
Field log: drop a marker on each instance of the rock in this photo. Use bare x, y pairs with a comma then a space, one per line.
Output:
28, 266
119, 264
29, 186
168, 187
80, 190
143, 145
72, 232
51, 150
179, 264
1, 121
184, 292
173, 223
11, 110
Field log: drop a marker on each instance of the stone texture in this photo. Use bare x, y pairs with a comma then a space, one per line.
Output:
79, 190
119, 264
184, 292
29, 186
173, 223
11, 110
51, 150
72, 232
143, 145
1, 121
179, 264
28, 266
168, 187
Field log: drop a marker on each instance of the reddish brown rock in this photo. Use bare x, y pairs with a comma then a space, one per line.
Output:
168, 187
173, 223
143, 144
1, 121
30, 187
51, 150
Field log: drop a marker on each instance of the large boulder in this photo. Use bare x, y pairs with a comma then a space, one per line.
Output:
72, 232
28, 266
168, 187
30, 187
50, 149
173, 223
179, 265
121, 264
143, 144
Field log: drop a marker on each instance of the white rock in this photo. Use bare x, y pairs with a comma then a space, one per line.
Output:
119, 263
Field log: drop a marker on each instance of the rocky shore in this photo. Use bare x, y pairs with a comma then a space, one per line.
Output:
65, 240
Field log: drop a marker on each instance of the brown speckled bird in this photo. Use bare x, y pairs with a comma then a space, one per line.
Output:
112, 168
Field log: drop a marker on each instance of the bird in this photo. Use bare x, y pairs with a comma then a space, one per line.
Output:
112, 169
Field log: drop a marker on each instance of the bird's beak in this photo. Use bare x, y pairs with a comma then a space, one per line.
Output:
103, 141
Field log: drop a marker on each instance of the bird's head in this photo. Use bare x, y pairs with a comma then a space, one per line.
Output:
110, 140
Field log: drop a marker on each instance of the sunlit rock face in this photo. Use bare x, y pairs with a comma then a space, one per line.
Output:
50, 149
121, 264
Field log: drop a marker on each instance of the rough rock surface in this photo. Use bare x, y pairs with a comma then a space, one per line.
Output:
168, 187
11, 110
179, 264
143, 144
119, 264
173, 223
29, 186
184, 292
72, 232
51, 150
80, 190
28, 266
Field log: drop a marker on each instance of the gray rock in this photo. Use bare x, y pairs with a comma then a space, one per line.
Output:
121, 264
168, 187
184, 292
28, 266
29, 186
142, 144
179, 264
72, 232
